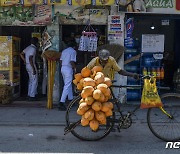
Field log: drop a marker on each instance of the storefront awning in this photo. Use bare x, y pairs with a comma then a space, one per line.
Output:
56, 2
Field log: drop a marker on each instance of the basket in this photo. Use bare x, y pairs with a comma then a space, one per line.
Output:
5, 94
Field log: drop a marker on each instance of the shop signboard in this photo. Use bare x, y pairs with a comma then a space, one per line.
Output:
57, 2
9, 2
32, 2
80, 2
104, 2
114, 27
7, 15
42, 14
178, 5
150, 6
80, 15
25, 16
16, 15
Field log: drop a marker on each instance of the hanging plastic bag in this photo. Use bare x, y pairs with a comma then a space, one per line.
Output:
150, 97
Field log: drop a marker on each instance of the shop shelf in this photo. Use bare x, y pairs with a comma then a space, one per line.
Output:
133, 94
9, 57
4, 69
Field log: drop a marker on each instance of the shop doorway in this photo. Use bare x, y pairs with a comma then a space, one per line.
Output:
167, 25
83, 57
24, 33
68, 32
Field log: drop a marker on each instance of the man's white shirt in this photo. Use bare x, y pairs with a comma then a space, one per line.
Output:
68, 55
30, 51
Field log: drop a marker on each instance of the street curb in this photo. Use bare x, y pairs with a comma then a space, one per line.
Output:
32, 124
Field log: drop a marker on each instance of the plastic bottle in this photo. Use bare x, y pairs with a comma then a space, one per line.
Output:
158, 73
154, 72
149, 71
145, 71
162, 73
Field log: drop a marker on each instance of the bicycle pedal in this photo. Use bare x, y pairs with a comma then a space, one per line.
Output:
66, 130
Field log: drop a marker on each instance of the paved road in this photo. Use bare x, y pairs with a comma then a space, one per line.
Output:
30, 127
137, 139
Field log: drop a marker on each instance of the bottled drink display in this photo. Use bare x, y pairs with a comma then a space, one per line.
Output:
162, 73
145, 71
156, 72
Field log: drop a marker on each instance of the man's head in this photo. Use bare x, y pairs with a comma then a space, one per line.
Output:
104, 55
70, 43
35, 41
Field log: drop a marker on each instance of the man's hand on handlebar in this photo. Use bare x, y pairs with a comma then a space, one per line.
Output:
136, 76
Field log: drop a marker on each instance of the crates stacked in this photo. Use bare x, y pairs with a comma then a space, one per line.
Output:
10, 63
5, 94
132, 49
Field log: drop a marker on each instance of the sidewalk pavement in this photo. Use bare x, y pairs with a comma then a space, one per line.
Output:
36, 114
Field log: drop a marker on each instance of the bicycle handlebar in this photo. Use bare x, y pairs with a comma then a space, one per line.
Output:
138, 86
146, 76
141, 76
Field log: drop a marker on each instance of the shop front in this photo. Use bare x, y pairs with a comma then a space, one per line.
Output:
64, 21
136, 27
153, 33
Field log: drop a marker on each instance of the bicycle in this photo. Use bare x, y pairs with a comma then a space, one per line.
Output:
164, 122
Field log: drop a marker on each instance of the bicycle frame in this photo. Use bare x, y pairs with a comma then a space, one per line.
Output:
116, 102
119, 120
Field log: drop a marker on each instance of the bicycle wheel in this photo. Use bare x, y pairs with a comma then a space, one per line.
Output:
85, 133
162, 126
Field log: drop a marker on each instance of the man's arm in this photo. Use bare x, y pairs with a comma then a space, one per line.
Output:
92, 63
125, 73
73, 66
22, 55
32, 65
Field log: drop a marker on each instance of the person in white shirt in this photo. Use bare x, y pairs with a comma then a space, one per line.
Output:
68, 67
28, 56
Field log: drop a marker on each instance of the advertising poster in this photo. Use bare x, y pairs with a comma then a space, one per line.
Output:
114, 27
16, 15
80, 15
23, 16
7, 15
42, 14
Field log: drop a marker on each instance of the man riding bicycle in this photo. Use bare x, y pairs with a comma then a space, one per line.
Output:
109, 65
